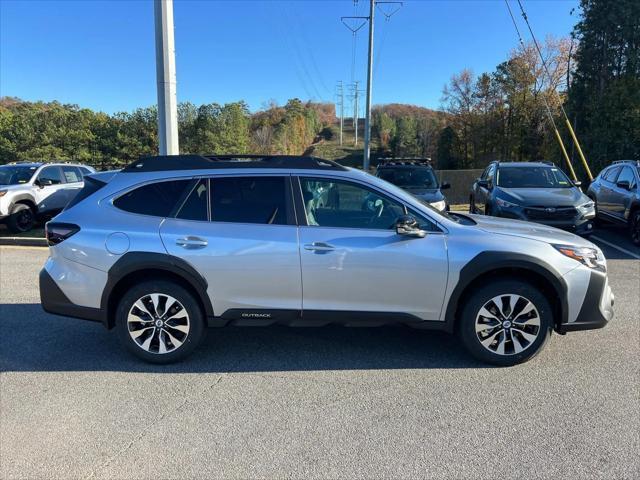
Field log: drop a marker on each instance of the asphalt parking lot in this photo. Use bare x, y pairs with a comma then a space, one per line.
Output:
313, 403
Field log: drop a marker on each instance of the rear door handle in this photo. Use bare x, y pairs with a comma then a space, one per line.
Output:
191, 242
319, 247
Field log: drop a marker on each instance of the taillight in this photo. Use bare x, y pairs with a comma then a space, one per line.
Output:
59, 232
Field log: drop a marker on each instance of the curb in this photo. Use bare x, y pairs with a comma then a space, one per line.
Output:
24, 242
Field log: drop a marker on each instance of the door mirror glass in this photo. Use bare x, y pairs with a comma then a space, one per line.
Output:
408, 225
483, 183
44, 182
445, 185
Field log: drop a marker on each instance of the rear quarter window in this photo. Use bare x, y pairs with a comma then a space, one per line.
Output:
156, 199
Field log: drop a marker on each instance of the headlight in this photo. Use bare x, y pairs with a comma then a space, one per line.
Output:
589, 257
504, 204
587, 206
441, 205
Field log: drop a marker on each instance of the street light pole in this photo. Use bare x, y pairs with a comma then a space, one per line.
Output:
166, 78
367, 116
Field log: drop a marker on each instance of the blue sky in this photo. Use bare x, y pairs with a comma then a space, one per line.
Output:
100, 54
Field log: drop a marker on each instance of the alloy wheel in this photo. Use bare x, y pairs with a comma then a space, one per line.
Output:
507, 324
158, 323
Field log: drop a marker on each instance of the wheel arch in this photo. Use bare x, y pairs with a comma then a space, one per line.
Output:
25, 200
488, 266
134, 267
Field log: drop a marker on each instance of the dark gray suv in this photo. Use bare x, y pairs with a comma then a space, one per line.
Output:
533, 191
615, 191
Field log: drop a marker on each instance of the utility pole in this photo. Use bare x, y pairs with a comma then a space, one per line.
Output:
166, 78
367, 114
354, 27
340, 95
355, 111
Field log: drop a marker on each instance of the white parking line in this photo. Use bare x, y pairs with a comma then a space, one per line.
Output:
623, 250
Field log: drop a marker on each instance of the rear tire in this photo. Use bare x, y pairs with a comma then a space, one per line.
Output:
505, 322
634, 228
21, 218
159, 321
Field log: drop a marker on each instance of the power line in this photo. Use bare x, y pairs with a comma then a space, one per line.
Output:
564, 113
546, 104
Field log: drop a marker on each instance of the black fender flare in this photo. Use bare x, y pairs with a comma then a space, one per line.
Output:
132, 262
489, 261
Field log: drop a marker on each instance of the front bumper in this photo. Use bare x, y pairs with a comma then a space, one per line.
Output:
580, 224
54, 301
597, 308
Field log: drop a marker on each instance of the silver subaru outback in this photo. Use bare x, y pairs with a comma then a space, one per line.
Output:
171, 245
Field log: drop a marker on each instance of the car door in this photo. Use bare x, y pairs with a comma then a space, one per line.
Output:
49, 189
606, 197
354, 262
621, 196
74, 182
483, 192
240, 233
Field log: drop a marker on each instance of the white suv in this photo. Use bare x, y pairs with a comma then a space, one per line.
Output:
28, 190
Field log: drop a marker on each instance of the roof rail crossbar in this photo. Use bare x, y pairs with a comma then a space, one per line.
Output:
203, 162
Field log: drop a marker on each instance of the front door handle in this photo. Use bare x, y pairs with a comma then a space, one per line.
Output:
191, 242
319, 247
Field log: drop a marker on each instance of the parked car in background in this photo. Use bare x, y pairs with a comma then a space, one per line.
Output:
532, 191
417, 177
32, 190
617, 197
170, 245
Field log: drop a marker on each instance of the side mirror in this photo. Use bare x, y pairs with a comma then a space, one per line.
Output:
483, 183
408, 225
445, 185
45, 182
624, 184
577, 183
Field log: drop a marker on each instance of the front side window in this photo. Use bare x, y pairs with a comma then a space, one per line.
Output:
72, 174
533, 177
51, 175
157, 199
260, 200
627, 175
334, 203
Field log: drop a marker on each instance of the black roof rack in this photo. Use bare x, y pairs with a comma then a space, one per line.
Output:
633, 162
384, 162
201, 162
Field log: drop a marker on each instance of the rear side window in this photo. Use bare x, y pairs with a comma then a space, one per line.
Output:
611, 174
72, 174
249, 200
156, 199
195, 207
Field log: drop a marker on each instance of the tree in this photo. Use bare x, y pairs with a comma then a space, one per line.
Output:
604, 96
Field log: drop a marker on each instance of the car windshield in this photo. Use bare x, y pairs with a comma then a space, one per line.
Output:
15, 174
532, 177
409, 177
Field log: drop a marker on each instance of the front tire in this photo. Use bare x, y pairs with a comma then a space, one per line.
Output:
21, 219
505, 322
159, 321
